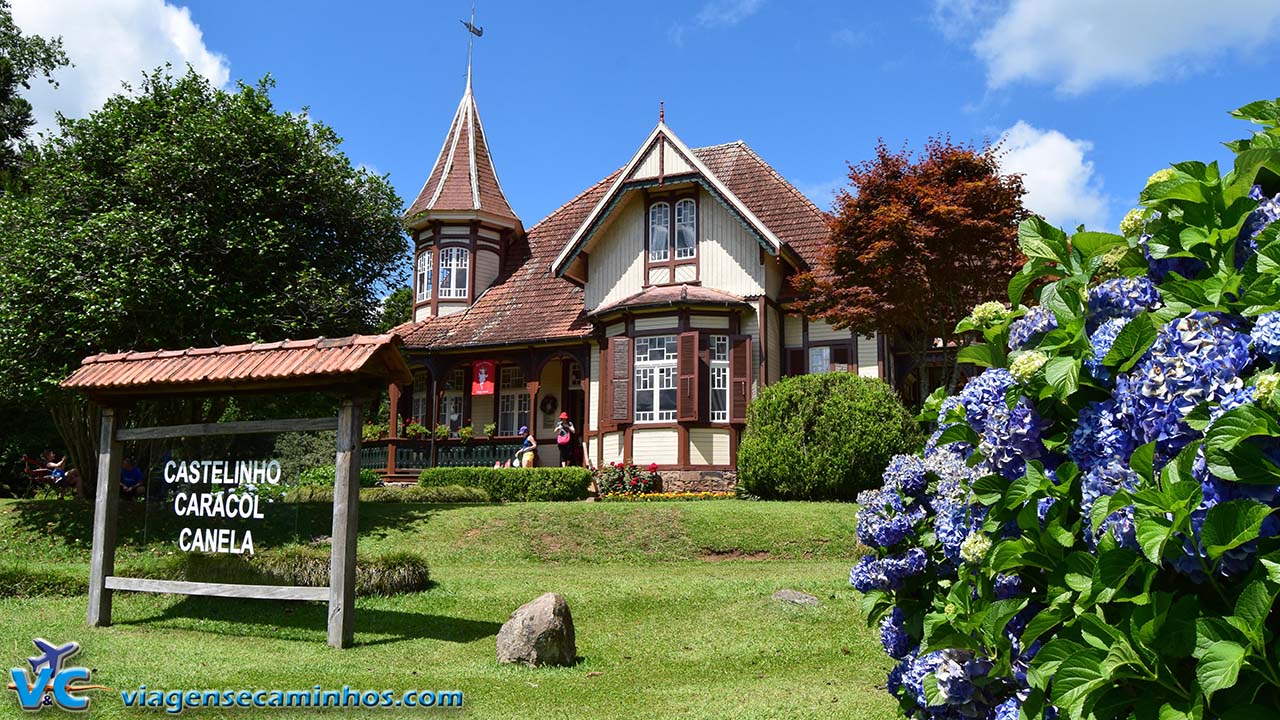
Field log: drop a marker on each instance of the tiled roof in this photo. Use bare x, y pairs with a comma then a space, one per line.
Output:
530, 305
779, 205
463, 178
659, 295
304, 363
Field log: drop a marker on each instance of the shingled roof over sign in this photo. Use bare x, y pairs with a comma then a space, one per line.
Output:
529, 305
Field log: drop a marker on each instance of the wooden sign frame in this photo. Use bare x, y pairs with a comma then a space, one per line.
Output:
341, 591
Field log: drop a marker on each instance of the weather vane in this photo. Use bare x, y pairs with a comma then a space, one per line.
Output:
475, 32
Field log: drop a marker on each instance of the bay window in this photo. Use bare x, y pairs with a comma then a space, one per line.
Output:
659, 232
686, 229
719, 356
655, 378
423, 278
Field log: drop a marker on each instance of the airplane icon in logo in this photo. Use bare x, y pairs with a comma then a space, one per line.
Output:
53, 656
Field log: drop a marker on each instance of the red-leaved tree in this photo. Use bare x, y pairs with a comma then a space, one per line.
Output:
916, 242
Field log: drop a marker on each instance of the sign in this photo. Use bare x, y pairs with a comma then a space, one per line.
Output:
219, 489
482, 372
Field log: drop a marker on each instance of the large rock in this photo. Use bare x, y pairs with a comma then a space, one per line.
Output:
795, 597
540, 632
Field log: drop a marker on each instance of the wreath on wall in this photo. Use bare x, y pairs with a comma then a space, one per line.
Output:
548, 405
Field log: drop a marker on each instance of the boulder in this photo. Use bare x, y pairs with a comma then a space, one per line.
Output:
795, 597
540, 632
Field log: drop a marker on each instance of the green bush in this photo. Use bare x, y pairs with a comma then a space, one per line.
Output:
514, 484
308, 566
822, 437
410, 494
323, 475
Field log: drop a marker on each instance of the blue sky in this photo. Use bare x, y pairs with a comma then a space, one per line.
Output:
1090, 96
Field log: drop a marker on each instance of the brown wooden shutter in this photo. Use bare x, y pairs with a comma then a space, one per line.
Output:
795, 362
739, 377
687, 373
620, 379
605, 403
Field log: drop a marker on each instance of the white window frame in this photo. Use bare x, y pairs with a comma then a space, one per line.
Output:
423, 276
451, 401
421, 398
655, 372
454, 263
719, 355
513, 400
660, 252
689, 207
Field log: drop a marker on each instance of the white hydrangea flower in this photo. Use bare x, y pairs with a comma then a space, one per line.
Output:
1025, 365
1131, 225
974, 548
1161, 175
988, 314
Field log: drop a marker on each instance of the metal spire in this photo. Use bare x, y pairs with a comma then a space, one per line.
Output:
473, 33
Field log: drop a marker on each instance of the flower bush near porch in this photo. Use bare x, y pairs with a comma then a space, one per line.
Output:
1092, 531
627, 479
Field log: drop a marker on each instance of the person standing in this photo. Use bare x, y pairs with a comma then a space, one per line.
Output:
565, 435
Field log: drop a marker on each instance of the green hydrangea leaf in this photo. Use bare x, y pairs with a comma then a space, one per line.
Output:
1219, 666
1231, 524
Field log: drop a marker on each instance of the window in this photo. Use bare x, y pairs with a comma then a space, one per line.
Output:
819, 359
421, 397
686, 229
513, 400
719, 378
659, 232
453, 272
451, 403
424, 276
655, 379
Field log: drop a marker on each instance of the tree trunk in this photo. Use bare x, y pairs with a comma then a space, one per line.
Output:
77, 422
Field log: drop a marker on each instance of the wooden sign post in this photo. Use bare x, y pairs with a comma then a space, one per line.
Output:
352, 366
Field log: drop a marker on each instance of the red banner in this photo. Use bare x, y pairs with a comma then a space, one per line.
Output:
482, 372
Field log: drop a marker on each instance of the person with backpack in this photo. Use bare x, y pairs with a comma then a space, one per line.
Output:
565, 434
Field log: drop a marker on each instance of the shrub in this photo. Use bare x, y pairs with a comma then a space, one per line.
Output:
412, 494
308, 566
298, 451
627, 479
514, 484
373, 431
822, 437
668, 496
1092, 530
324, 476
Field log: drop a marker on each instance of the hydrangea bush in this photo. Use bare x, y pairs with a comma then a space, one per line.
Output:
1092, 530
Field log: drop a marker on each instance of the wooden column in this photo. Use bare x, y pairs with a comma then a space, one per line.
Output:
393, 426
103, 563
346, 510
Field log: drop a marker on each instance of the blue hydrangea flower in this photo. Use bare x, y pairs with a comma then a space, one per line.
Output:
1038, 321
1010, 438
1102, 481
1122, 297
906, 474
885, 519
1010, 709
1267, 212
1007, 586
1194, 359
893, 634
1101, 340
889, 573
1265, 336
1099, 435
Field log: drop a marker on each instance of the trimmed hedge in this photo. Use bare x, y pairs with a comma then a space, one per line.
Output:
390, 573
410, 494
822, 437
514, 484
323, 475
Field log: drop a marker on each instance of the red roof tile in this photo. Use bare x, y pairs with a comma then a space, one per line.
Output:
659, 295
530, 305
305, 363
463, 178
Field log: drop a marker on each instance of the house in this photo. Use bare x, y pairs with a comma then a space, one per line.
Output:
651, 307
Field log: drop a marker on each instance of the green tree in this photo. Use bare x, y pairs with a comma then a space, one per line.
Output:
397, 309
22, 58
184, 215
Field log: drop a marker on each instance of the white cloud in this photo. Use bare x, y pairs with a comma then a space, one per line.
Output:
727, 12
1077, 45
1059, 179
110, 42
823, 194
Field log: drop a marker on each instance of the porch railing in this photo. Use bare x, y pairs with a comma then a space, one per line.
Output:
416, 454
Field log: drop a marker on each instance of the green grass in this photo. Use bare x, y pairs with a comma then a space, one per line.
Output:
671, 602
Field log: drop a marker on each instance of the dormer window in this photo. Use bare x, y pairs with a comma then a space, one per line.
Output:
423, 277
659, 232
686, 229
672, 240
453, 272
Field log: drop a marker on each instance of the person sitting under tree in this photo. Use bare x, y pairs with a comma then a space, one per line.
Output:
63, 478
131, 480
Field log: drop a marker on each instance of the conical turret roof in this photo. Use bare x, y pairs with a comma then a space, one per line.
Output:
463, 182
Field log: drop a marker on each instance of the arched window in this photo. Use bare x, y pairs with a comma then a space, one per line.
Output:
423, 276
659, 231
453, 272
686, 229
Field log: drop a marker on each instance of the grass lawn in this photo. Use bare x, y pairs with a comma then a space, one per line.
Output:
671, 602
